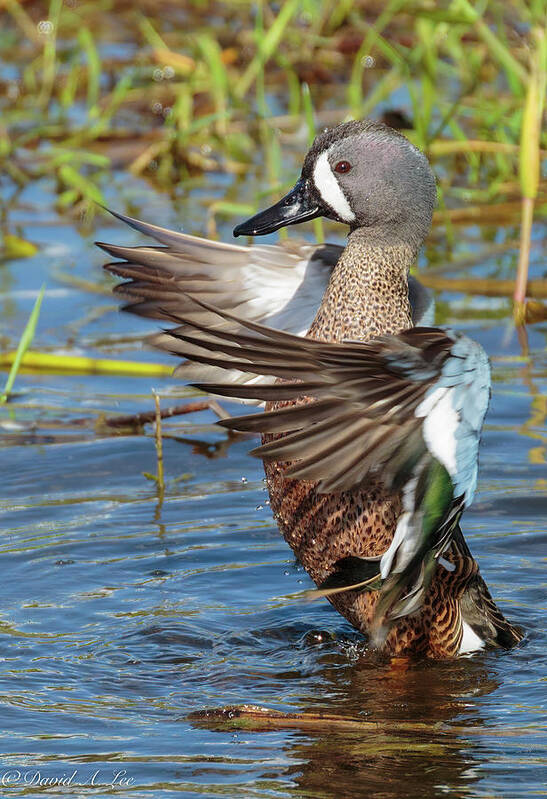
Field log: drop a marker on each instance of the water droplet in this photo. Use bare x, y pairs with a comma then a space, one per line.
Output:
368, 61
168, 72
157, 108
259, 507
167, 111
286, 572
244, 480
45, 27
157, 74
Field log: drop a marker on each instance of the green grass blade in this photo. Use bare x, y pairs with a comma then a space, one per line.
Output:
151, 35
24, 344
212, 54
513, 68
86, 42
529, 165
267, 47
74, 180
309, 116
49, 58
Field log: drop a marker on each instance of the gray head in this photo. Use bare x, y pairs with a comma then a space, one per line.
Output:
365, 175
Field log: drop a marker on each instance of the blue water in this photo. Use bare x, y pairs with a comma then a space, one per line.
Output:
123, 611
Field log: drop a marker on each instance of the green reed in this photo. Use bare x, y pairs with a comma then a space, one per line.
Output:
188, 101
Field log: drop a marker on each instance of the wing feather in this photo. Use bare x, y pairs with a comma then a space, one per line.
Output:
281, 284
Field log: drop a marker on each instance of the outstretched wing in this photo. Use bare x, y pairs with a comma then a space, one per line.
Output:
407, 409
279, 285
379, 406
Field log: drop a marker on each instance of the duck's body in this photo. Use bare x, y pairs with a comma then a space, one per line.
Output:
369, 487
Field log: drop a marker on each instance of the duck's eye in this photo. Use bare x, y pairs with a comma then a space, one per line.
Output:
342, 166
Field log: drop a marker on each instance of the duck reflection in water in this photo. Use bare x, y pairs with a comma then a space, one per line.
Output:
426, 757
384, 730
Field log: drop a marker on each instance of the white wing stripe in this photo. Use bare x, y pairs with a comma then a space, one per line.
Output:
440, 426
453, 411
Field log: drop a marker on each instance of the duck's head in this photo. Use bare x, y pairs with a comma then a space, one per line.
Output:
363, 174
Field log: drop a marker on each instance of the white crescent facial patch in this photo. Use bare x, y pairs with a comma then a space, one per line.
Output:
329, 189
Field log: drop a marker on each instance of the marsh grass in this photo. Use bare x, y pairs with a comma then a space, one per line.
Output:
24, 343
101, 86
159, 477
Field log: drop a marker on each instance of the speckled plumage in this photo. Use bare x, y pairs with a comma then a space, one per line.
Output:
367, 296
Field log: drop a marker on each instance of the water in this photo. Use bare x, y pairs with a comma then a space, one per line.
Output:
122, 612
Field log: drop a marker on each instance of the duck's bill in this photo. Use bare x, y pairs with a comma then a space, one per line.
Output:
296, 206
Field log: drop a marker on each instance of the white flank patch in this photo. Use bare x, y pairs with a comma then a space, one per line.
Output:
398, 540
329, 189
470, 640
405, 534
440, 425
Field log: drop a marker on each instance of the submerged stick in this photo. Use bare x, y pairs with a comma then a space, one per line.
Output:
254, 717
261, 719
160, 480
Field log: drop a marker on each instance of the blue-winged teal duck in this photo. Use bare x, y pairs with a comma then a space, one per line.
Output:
371, 429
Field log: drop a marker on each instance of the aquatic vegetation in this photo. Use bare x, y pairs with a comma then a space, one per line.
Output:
184, 103
24, 344
91, 89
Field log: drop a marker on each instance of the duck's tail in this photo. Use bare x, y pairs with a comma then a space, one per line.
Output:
485, 618
481, 613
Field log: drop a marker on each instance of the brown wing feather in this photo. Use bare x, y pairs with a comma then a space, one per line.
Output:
357, 400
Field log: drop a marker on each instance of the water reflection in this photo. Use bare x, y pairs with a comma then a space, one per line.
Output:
430, 760
408, 744
210, 449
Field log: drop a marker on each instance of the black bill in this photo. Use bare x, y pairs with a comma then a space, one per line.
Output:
296, 206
